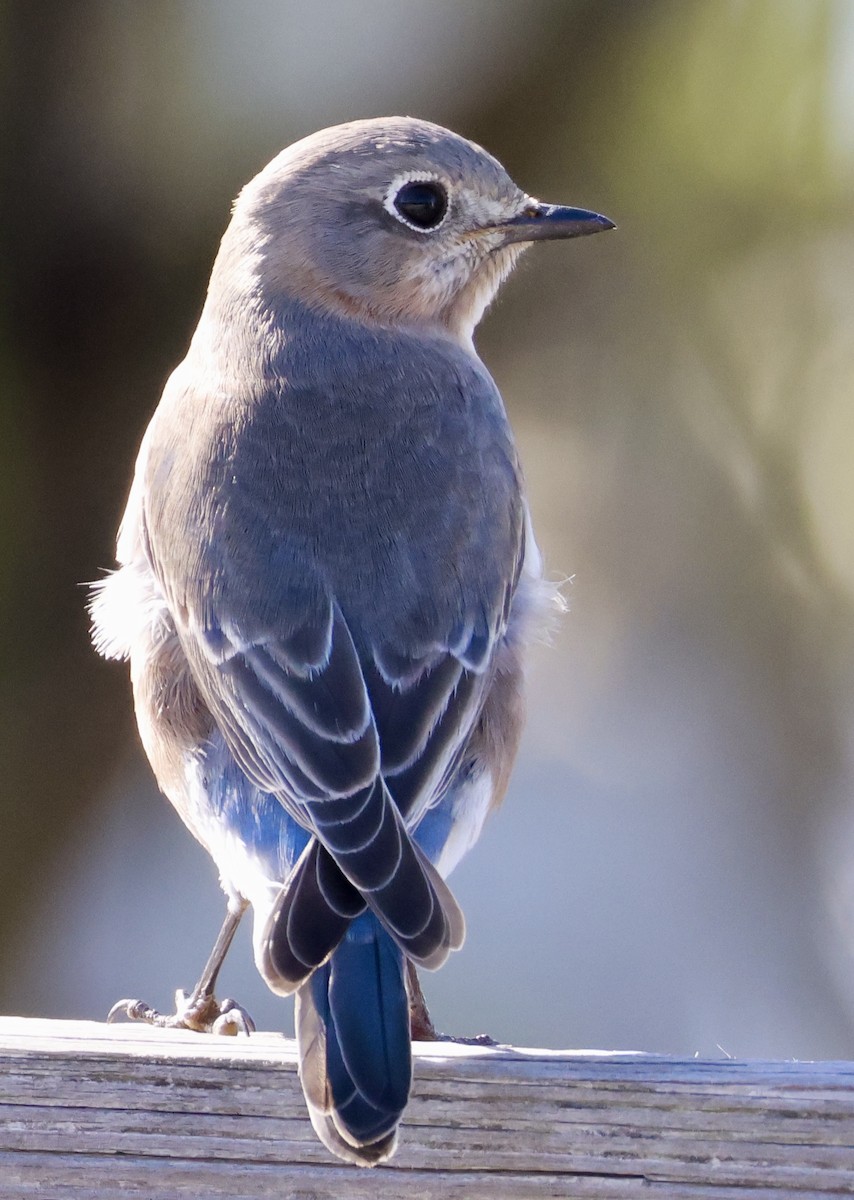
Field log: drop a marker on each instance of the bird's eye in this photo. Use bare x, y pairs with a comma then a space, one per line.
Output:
422, 204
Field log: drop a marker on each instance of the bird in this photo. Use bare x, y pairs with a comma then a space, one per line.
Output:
327, 579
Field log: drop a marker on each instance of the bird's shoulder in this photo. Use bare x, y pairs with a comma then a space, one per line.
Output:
370, 470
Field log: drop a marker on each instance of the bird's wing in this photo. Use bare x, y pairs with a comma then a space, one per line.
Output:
352, 711
301, 726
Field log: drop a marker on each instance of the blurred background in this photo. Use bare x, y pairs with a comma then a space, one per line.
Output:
674, 864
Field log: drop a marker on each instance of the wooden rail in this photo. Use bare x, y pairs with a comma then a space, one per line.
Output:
89, 1110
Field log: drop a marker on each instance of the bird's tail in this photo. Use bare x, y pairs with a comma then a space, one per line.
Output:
352, 1022
317, 904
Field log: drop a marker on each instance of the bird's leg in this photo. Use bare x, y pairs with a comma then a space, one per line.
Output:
200, 1010
421, 1027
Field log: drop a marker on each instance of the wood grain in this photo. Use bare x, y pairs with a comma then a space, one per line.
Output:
89, 1110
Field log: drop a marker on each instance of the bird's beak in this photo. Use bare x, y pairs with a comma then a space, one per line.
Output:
537, 221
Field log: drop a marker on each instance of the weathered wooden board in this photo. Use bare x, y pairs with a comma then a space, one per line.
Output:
96, 1111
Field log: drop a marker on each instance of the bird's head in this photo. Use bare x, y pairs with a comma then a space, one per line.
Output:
392, 221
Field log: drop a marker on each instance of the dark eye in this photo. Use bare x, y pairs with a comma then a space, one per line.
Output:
422, 204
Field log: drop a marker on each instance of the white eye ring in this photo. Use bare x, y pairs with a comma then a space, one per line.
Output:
400, 181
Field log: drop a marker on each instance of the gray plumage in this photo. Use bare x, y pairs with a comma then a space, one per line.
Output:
327, 575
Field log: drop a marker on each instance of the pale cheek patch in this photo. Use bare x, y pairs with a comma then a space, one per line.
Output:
486, 210
438, 282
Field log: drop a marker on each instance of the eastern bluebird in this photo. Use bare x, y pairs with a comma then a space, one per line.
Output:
327, 577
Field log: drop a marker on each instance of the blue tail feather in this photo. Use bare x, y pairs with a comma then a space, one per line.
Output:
373, 1029
355, 1053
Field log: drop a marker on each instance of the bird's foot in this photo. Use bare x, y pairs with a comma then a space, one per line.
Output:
421, 1027
480, 1039
201, 1012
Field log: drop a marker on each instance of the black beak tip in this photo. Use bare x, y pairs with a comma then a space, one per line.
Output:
576, 221
540, 221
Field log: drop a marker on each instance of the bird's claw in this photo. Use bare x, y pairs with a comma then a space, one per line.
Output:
136, 1010
205, 1014
202, 1013
233, 1019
